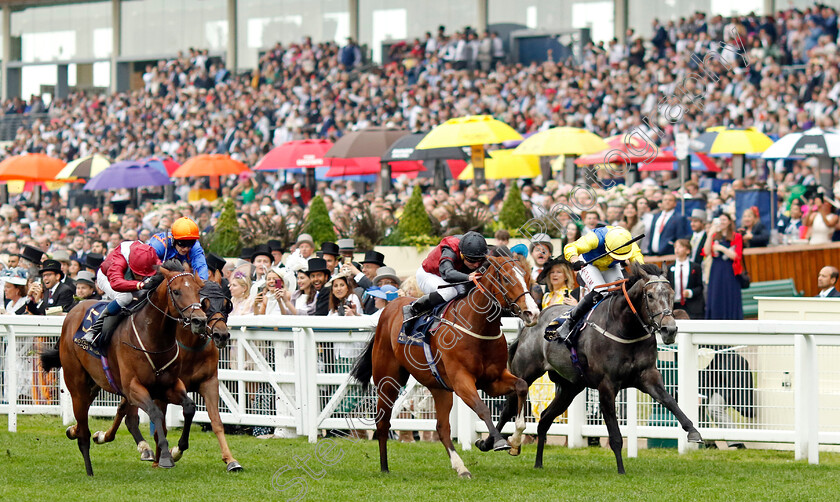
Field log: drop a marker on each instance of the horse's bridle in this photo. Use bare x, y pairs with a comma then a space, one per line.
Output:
664, 313
513, 306
184, 320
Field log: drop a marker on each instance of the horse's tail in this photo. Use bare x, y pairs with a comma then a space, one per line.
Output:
363, 367
50, 359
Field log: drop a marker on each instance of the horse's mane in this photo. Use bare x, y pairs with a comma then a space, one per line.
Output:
170, 265
212, 290
636, 271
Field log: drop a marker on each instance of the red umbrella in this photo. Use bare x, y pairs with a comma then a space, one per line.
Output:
638, 151
361, 166
210, 165
295, 154
697, 162
31, 167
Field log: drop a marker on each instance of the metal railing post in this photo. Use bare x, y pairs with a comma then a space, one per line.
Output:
806, 399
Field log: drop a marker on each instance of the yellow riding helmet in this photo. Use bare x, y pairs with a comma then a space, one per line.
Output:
615, 242
184, 229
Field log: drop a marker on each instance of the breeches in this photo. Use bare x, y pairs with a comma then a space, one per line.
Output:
122, 298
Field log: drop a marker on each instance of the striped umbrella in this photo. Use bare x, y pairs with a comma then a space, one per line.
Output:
811, 143
85, 167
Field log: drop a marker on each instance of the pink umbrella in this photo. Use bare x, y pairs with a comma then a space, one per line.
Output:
295, 154
638, 151
361, 166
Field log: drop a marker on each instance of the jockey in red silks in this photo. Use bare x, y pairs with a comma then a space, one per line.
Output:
126, 270
454, 260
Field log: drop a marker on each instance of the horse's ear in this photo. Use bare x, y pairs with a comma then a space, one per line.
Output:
637, 269
199, 280
166, 273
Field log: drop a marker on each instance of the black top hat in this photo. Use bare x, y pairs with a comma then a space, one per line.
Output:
330, 248
262, 250
51, 266
275, 245
31, 254
94, 261
215, 262
374, 257
246, 254
318, 265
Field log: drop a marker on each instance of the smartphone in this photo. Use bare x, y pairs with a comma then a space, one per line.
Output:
278, 283
716, 222
348, 260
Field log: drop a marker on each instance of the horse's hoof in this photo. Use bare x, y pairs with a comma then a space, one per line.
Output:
465, 475
166, 463
694, 437
176, 453
147, 455
481, 445
99, 437
70, 435
501, 445
514, 452
234, 466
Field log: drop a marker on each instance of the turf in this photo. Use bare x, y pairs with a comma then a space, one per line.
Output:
40, 463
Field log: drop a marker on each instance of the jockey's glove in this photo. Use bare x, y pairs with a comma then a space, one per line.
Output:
578, 265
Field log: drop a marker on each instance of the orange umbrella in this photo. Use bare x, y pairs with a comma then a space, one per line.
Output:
31, 167
210, 165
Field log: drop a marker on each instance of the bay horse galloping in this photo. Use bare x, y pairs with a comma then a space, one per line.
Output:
615, 350
141, 362
199, 360
468, 350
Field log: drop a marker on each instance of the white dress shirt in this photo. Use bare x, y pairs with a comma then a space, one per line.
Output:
659, 225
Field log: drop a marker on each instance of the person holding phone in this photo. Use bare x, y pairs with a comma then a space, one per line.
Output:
725, 246
276, 297
820, 221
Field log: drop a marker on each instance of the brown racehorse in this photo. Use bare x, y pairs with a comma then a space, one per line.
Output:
470, 354
142, 355
199, 361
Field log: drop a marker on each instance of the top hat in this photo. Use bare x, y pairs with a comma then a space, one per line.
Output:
346, 245
330, 248
543, 239
374, 257
215, 262
31, 254
305, 238
318, 265
51, 266
275, 245
698, 214
386, 273
94, 261
261, 250
246, 254
86, 277
61, 256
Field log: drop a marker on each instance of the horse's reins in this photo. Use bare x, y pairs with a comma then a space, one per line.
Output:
184, 320
649, 330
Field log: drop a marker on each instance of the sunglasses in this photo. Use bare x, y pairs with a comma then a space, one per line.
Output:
184, 243
473, 260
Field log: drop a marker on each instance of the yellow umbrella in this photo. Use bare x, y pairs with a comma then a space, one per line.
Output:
504, 165
562, 141
735, 141
474, 131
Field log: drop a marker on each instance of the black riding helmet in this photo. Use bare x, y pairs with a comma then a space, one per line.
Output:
474, 246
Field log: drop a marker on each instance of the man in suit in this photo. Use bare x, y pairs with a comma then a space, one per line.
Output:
365, 278
698, 234
668, 226
686, 277
63, 257
53, 293
319, 274
826, 280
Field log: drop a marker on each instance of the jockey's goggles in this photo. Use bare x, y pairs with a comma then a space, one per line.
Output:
184, 243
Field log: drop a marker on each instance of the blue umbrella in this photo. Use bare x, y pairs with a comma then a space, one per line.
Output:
128, 174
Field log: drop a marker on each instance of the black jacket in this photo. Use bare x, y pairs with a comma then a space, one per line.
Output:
369, 302
696, 305
322, 302
63, 297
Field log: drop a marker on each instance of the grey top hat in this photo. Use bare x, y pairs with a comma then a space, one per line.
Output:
386, 273
346, 244
305, 238
698, 214
60, 255
86, 277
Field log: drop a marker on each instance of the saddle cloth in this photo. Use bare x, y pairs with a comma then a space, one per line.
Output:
413, 334
91, 315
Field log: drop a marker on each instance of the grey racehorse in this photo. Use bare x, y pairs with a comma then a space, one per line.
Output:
616, 350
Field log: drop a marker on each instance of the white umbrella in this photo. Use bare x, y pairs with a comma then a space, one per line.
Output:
811, 143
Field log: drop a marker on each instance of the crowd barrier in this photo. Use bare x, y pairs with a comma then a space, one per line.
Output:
291, 372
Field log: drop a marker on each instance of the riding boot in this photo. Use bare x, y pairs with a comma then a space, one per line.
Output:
89, 341
421, 306
575, 315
